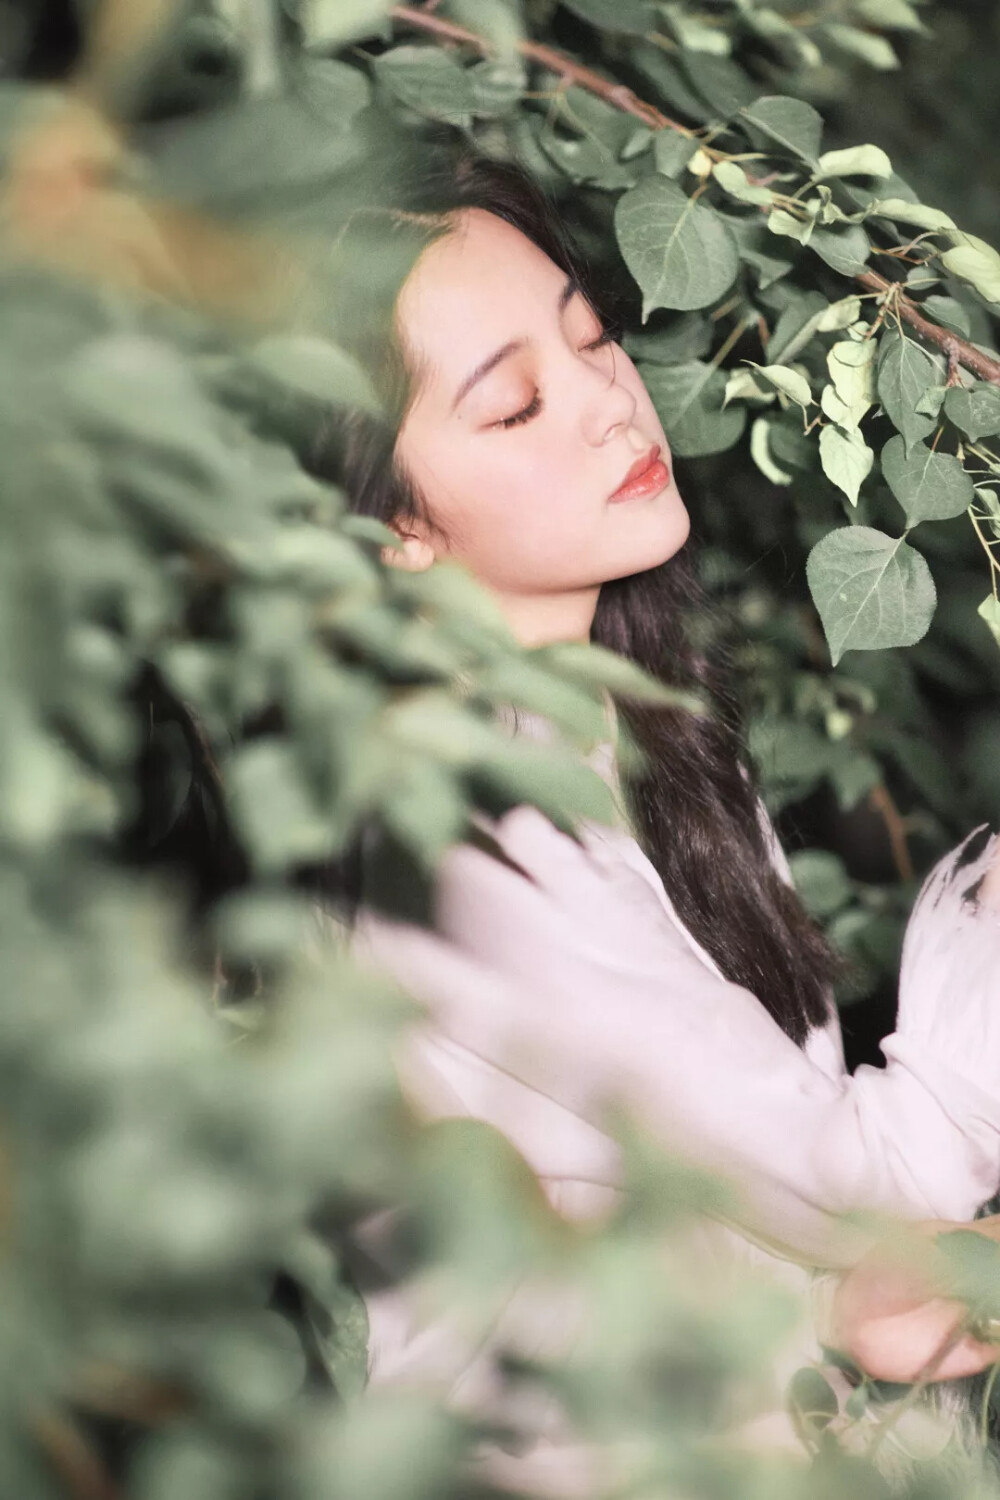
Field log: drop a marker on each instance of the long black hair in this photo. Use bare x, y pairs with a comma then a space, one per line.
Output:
695, 806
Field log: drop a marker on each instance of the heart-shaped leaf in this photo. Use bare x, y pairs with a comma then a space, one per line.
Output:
929, 486
681, 253
871, 590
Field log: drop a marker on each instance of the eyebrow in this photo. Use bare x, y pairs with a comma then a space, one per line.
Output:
569, 291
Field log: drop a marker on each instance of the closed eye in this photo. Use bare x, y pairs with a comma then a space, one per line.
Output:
534, 406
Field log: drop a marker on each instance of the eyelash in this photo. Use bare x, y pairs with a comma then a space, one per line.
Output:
535, 405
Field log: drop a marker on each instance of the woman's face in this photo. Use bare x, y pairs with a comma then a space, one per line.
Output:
523, 426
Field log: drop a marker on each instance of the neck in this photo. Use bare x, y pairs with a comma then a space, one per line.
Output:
543, 619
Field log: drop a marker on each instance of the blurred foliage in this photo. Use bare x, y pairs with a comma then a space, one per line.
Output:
209, 685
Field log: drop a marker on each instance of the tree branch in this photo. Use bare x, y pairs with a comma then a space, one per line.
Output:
621, 97
616, 94
958, 350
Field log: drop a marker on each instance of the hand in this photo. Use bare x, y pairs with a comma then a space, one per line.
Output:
989, 891
890, 1319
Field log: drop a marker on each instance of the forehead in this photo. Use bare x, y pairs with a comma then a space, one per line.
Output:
476, 287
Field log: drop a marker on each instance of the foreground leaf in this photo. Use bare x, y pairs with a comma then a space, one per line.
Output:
429, 81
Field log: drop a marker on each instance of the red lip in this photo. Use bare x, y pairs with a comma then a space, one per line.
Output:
639, 467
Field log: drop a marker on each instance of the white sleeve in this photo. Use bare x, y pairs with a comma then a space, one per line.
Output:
580, 994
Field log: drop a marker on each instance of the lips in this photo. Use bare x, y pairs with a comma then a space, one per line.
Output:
639, 470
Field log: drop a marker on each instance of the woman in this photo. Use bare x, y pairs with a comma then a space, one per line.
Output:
668, 960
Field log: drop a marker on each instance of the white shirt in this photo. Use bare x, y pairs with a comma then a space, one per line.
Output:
545, 1002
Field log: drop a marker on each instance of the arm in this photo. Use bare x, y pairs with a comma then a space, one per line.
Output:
567, 983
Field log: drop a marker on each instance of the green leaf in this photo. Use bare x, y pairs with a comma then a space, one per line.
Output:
274, 807
845, 249
850, 363
498, 84
855, 161
245, 152
840, 314
872, 591
686, 336
790, 382
872, 49
757, 249
689, 402
671, 83
893, 15
587, 159
761, 454
731, 176
821, 880
429, 81
693, 34
672, 151
811, 1394
852, 774
948, 311
792, 756
741, 386
790, 226
899, 210
791, 123
725, 85
798, 322
316, 368
972, 1262
332, 23
791, 40
334, 89
929, 486
905, 371
425, 808
976, 411
989, 611
681, 253
790, 444
846, 459
635, 17
974, 261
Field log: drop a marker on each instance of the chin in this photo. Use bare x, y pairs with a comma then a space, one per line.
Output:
666, 535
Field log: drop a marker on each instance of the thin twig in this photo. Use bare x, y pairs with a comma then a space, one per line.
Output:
957, 349
881, 800
623, 98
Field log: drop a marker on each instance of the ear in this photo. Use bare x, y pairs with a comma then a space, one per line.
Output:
416, 554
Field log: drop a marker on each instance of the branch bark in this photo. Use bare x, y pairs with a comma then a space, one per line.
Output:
621, 97
958, 350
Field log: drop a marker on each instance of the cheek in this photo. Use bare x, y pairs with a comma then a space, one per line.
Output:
513, 485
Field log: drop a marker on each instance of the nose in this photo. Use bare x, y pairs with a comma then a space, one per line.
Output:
609, 406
